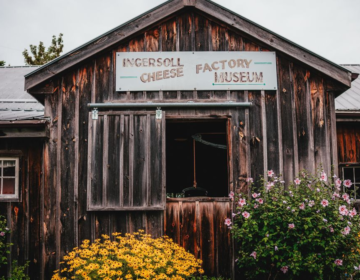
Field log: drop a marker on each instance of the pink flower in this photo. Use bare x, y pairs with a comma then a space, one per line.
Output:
348, 201
231, 195
2, 233
228, 222
260, 200
253, 254
347, 183
291, 226
276, 248
302, 206
242, 202
352, 212
311, 203
331, 229
284, 269
297, 181
345, 196
338, 183
338, 262
270, 173
324, 202
246, 215
343, 210
254, 195
336, 195
249, 180
346, 231
256, 206
269, 186
323, 177
233, 215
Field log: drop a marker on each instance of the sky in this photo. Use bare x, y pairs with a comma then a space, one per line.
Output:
330, 28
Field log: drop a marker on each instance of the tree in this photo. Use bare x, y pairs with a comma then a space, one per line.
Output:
2, 63
40, 55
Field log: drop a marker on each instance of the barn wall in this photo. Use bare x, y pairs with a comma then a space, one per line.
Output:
285, 130
25, 218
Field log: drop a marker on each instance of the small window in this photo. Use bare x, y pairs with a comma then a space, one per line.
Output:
9, 178
352, 173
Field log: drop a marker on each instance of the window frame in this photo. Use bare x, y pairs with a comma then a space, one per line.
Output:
353, 166
11, 197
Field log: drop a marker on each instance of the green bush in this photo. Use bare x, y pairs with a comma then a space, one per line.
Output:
18, 271
309, 231
4, 246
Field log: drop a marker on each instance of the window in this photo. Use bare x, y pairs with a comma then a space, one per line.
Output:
9, 178
352, 173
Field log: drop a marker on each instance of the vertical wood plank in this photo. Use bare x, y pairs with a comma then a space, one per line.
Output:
207, 236
58, 178
131, 159
76, 159
50, 184
294, 121
139, 160
272, 132
121, 159
257, 137
264, 134
287, 120
67, 163
279, 122
126, 162
319, 122
113, 165
303, 115
84, 155
332, 129
105, 159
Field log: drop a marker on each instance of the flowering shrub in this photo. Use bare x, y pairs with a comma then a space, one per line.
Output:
4, 247
134, 256
309, 230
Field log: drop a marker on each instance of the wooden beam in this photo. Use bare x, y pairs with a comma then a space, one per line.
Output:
103, 42
23, 133
275, 41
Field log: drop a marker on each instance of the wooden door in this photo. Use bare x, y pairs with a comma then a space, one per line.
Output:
126, 161
197, 224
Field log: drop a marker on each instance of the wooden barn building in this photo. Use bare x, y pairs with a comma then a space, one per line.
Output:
122, 145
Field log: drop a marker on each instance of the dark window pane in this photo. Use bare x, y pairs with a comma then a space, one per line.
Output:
0, 167
8, 185
9, 167
357, 175
349, 174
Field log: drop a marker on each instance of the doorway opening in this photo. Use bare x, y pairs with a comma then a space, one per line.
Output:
197, 156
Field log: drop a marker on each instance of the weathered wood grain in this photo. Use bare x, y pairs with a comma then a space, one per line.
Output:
85, 85
256, 140
273, 155
67, 209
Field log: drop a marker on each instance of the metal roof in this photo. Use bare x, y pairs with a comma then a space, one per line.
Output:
169, 1
350, 99
15, 103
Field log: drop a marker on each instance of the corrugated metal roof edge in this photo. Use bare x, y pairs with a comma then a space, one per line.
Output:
153, 9
23, 66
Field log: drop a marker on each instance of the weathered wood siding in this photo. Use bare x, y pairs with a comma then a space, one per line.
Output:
25, 218
197, 224
348, 138
286, 130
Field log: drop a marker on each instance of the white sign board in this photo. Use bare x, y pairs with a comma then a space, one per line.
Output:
153, 71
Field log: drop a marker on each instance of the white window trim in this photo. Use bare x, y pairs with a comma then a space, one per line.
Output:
5, 197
